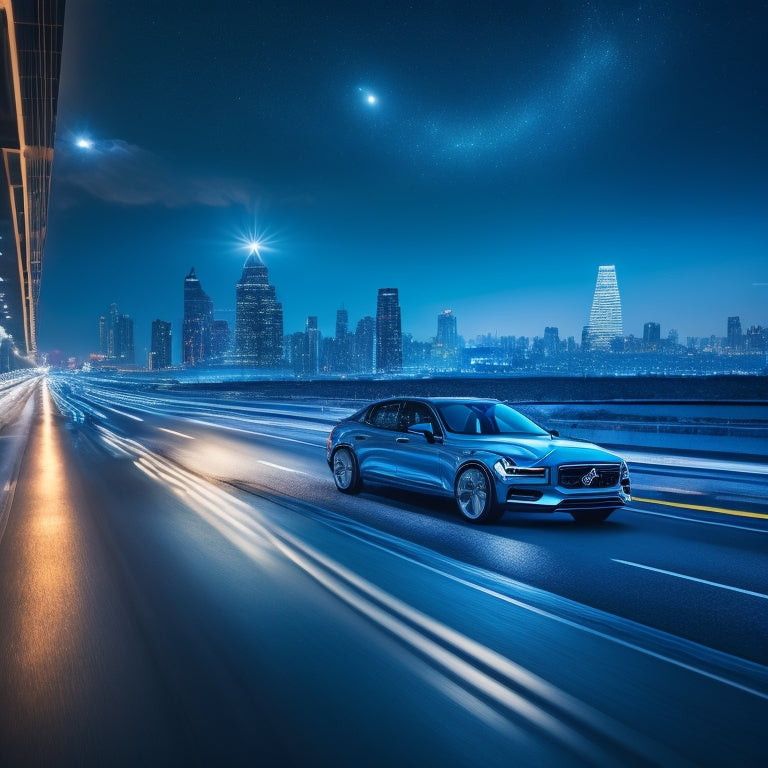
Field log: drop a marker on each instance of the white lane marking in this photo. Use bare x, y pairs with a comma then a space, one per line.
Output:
684, 518
447, 649
222, 516
284, 469
463, 656
558, 618
692, 578
174, 432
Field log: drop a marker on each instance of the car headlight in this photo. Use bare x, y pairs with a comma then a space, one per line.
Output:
505, 467
624, 477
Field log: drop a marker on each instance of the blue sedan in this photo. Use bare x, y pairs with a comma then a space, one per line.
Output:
485, 454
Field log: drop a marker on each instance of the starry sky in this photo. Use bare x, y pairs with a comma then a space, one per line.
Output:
484, 157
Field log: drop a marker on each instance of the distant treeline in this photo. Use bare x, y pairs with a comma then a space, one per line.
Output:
702, 389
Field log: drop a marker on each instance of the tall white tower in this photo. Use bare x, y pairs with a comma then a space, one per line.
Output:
605, 322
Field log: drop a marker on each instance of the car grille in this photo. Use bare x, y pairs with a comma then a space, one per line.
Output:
586, 504
588, 475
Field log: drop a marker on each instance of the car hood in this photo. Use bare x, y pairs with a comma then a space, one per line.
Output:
534, 448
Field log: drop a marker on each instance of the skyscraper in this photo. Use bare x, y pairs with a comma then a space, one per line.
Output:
342, 342
446, 330
198, 322
160, 349
364, 345
551, 341
116, 337
389, 336
126, 353
258, 317
311, 346
651, 335
221, 339
605, 322
446, 348
734, 332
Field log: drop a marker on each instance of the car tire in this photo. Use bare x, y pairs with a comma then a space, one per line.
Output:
475, 498
346, 475
591, 516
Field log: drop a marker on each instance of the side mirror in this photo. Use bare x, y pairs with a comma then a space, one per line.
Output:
554, 433
424, 428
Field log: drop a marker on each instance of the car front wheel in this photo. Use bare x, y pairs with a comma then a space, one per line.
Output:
345, 472
473, 490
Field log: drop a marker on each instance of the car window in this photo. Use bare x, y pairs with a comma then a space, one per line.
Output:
384, 416
509, 420
419, 413
483, 418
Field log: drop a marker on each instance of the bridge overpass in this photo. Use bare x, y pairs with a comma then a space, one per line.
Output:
31, 33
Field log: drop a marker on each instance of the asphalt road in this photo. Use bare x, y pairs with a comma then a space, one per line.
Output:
181, 584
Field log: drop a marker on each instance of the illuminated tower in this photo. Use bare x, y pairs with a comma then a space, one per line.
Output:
734, 332
116, 336
551, 344
221, 338
446, 330
389, 335
258, 317
311, 345
196, 340
364, 345
160, 351
341, 343
446, 347
605, 317
651, 335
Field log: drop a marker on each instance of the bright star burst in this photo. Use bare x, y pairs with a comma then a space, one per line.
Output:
255, 240
370, 98
84, 143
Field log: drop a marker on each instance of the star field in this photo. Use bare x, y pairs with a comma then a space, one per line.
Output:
486, 159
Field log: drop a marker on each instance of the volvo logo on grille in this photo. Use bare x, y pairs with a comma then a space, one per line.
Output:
589, 477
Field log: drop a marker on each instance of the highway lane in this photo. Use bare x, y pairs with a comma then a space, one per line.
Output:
695, 573
226, 582
16, 411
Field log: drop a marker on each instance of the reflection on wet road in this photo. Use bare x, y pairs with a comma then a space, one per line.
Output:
180, 583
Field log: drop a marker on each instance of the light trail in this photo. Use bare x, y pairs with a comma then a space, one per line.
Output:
257, 434
174, 432
122, 413
484, 682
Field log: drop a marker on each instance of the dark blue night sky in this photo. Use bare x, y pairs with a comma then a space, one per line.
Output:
482, 157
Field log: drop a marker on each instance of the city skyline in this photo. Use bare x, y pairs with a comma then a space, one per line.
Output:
259, 340
489, 178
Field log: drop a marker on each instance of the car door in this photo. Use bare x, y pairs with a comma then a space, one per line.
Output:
374, 442
417, 457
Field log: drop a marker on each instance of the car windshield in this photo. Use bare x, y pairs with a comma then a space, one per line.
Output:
486, 418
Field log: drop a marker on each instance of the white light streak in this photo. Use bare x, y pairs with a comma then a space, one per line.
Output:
174, 432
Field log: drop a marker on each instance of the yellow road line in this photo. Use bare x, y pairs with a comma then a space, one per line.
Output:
735, 512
